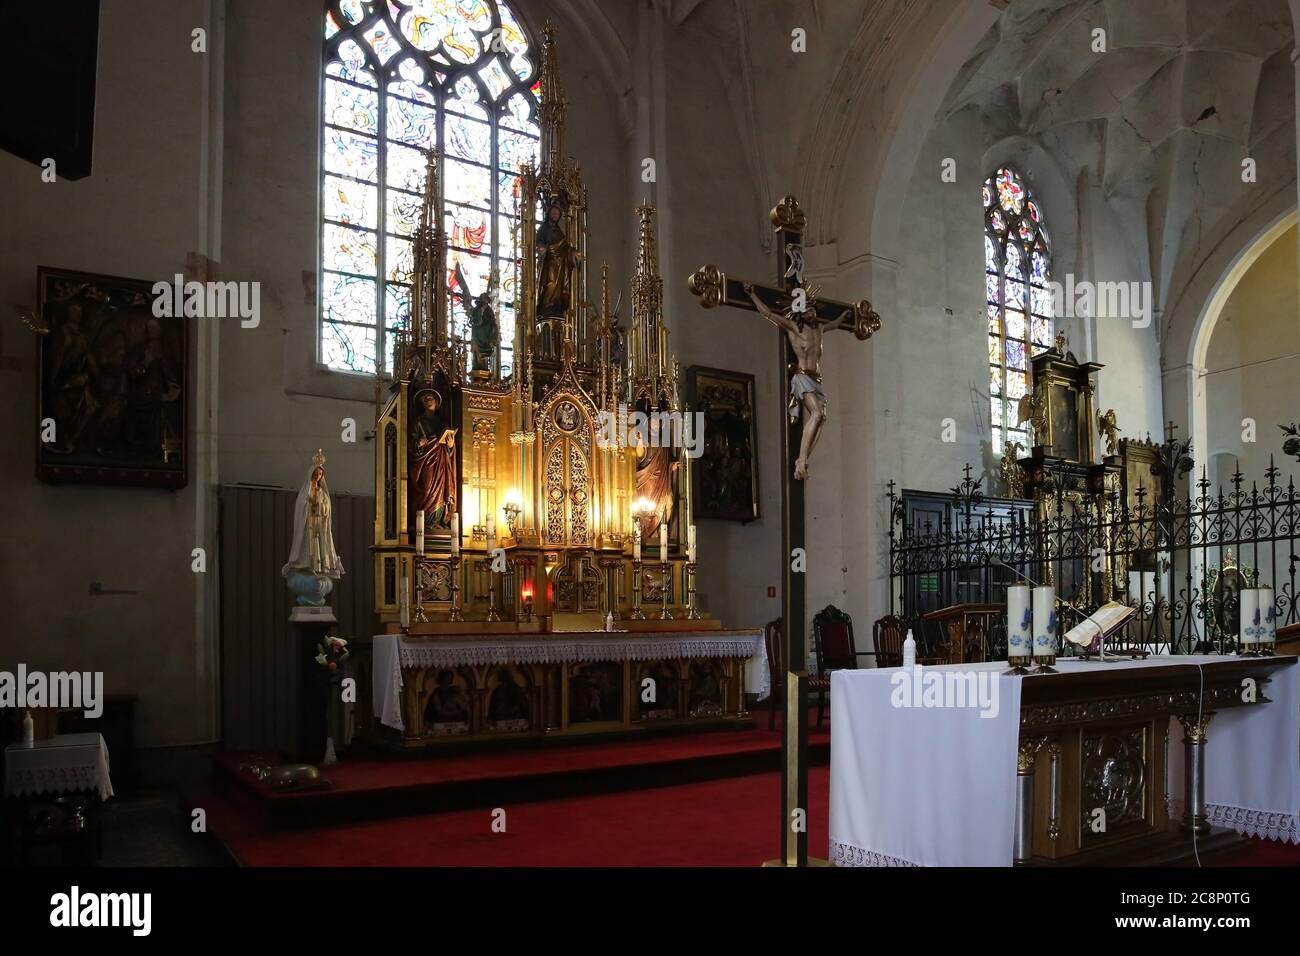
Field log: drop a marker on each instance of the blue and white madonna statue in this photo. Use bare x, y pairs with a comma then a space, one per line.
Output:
313, 564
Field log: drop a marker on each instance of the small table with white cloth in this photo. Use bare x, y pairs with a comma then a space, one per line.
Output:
54, 788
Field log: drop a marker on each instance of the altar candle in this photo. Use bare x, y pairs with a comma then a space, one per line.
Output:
1250, 615
690, 544
455, 534
419, 533
663, 539
1267, 616
1020, 633
404, 603
491, 534
1045, 621
636, 541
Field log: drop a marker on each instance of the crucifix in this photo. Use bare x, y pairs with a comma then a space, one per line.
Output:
802, 317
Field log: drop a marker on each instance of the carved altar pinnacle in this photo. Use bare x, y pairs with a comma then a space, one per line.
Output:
554, 106
649, 372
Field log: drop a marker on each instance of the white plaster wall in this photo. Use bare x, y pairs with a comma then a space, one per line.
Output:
1251, 367
137, 215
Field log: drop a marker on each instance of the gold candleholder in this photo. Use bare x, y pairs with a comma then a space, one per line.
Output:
492, 614
693, 613
1018, 665
419, 617
666, 569
454, 614
637, 614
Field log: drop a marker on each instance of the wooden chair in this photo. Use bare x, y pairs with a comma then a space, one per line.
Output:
774, 638
887, 638
833, 639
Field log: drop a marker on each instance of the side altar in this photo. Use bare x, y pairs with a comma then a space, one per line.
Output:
537, 483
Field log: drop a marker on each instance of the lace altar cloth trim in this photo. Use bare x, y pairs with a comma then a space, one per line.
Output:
845, 854
32, 772
577, 651
1269, 824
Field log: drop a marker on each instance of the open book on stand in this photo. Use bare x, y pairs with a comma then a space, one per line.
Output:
1090, 635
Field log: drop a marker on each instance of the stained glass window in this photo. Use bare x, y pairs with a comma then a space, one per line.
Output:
401, 77
1017, 270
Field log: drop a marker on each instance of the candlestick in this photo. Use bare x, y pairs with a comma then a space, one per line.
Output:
637, 614
1020, 634
404, 604
455, 534
663, 538
690, 544
491, 534
419, 533
455, 614
693, 613
664, 584
1045, 628
492, 614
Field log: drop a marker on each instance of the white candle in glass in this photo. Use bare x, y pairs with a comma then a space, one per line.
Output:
1020, 623
1045, 621
419, 533
455, 533
663, 539
1248, 601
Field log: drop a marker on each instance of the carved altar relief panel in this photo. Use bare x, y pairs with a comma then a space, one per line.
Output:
567, 477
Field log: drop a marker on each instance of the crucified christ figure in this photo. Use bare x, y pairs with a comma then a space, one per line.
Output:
804, 329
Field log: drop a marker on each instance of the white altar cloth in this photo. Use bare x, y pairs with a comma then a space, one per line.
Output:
392, 652
935, 786
63, 764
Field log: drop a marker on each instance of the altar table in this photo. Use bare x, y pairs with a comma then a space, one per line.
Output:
432, 689
1020, 782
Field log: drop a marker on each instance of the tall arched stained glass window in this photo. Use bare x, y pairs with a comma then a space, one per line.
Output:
401, 77
1017, 270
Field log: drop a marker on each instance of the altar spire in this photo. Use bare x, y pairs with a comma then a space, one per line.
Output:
648, 375
553, 107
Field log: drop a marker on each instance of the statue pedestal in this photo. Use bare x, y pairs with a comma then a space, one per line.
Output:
310, 626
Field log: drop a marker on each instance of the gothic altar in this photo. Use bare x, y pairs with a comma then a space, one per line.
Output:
534, 488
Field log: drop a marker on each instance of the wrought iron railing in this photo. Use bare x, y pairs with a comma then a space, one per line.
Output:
1179, 561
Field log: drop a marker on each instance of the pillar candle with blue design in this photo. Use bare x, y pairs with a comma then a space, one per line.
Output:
1020, 621
1045, 621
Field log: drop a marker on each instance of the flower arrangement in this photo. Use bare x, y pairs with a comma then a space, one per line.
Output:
333, 651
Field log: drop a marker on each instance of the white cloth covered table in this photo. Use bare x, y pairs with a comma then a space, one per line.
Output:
936, 786
392, 652
63, 764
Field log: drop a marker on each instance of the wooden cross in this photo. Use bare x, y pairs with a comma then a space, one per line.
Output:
715, 288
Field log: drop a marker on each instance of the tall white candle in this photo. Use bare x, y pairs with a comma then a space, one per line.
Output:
1250, 616
404, 603
1267, 616
636, 541
491, 534
455, 533
1045, 621
690, 544
663, 539
419, 533
1020, 622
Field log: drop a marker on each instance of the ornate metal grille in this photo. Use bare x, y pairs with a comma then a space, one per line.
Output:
1168, 558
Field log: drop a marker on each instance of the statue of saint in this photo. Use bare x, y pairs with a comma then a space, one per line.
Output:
483, 333
313, 563
654, 479
804, 330
431, 450
556, 259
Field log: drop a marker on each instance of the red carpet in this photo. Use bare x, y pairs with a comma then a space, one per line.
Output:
716, 823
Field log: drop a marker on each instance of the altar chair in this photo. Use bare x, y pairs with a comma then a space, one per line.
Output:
833, 640
774, 638
887, 639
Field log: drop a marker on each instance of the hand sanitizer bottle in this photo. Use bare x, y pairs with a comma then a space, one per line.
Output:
609, 621
909, 650
29, 730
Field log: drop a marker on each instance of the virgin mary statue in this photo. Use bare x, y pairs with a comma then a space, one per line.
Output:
313, 563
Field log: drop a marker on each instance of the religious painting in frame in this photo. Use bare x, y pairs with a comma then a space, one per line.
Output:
725, 476
112, 383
